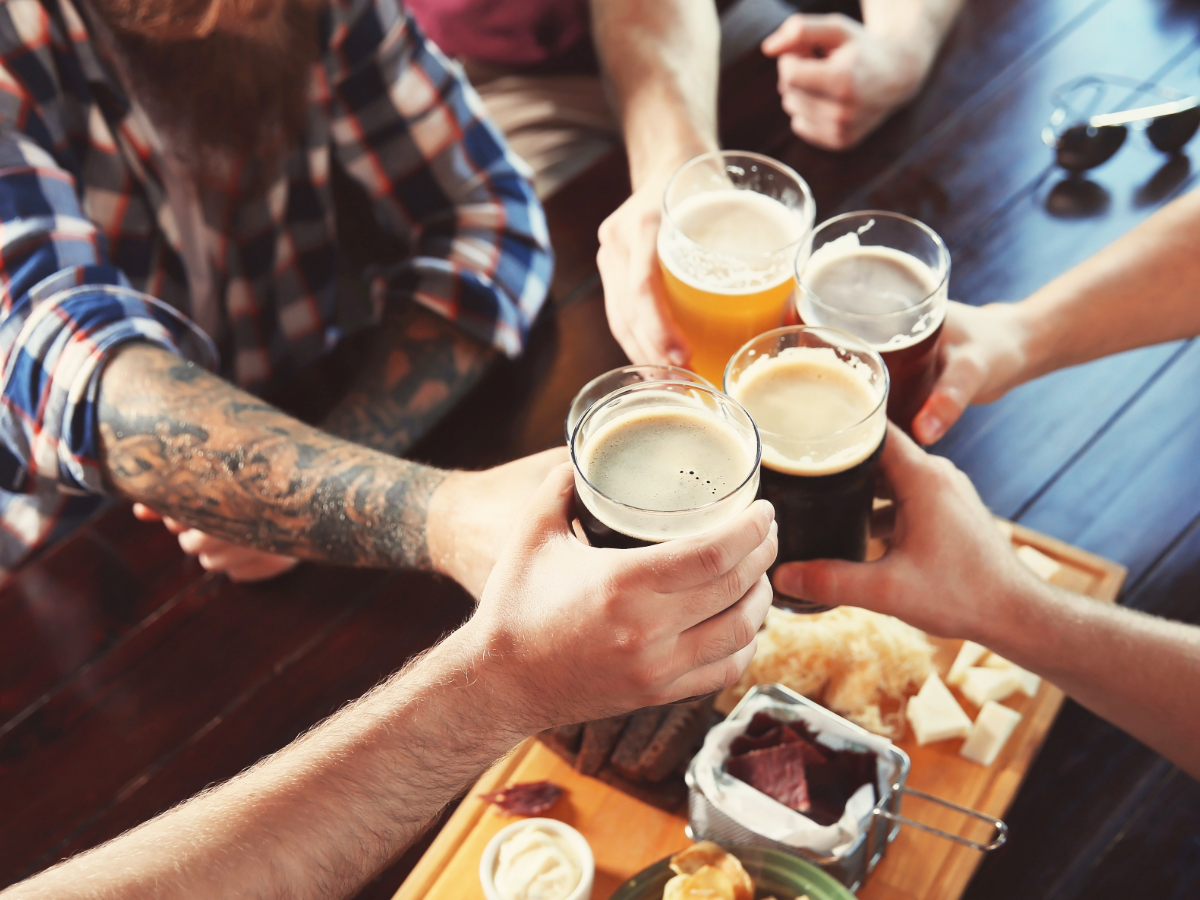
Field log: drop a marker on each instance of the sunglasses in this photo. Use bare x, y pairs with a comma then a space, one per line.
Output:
1083, 139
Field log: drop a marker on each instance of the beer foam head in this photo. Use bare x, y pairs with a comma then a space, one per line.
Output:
886, 297
661, 471
817, 412
731, 241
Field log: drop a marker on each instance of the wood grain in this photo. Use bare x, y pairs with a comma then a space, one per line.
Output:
629, 834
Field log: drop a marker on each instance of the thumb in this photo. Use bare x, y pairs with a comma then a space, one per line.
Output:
956, 387
549, 510
828, 582
804, 34
903, 463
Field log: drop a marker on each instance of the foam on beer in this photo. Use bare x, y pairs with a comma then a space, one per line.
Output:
665, 459
866, 279
813, 410
735, 236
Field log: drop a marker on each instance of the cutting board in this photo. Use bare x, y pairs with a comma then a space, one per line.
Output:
627, 835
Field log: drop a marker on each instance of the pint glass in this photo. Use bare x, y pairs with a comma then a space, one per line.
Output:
733, 225
819, 398
884, 278
661, 460
603, 385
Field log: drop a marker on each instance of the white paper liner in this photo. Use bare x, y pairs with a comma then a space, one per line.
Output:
763, 815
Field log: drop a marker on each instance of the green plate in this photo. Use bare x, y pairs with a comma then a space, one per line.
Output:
774, 873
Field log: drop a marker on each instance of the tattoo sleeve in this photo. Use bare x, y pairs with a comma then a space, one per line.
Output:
194, 447
417, 367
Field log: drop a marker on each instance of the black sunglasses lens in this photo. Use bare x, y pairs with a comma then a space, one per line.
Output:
1170, 133
1082, 147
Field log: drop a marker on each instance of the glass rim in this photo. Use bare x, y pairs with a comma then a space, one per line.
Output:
820, 330
809, 203
928, 299
693, 378
644, 385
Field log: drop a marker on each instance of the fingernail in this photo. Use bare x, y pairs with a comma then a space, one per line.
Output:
932, 427
677, 357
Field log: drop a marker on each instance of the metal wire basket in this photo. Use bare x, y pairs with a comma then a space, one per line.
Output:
879, 827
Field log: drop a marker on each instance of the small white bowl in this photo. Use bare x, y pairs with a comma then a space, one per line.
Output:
576, 841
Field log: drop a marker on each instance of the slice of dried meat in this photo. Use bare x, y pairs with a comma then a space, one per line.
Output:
529, 798
776, 771
635, 737
599, 738
567, 736
681, 727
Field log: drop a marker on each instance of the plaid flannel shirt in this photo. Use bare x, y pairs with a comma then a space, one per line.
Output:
90, 253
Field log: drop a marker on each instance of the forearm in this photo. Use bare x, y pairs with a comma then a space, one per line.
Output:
194, 447
919, 21
1139, 672
321, 817
416, 367
661, 62
1138, 291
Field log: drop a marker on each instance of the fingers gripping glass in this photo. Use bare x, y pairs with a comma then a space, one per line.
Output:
1083, 137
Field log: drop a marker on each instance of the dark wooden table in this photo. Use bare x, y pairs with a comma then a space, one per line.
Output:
129, 679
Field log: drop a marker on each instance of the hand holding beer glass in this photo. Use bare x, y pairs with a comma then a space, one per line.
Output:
733, 226
883, 278
819, 398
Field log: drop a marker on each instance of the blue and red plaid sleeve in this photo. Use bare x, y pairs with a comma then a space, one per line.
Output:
408, 126
63, 308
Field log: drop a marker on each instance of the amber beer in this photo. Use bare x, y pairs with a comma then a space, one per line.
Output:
884, 278
733, 224
662, 460
819, 398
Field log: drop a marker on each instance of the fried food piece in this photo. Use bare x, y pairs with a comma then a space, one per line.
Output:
706, 854
706, 883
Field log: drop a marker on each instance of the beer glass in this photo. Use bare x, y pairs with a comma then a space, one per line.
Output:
733, 225
884, 278
819, 398
605, 384
661, 460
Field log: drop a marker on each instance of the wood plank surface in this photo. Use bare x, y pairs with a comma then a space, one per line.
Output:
628, 834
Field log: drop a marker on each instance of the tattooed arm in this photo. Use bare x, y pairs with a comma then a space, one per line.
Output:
417, 367
197, 449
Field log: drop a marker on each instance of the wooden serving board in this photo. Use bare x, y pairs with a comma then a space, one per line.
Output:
627, 834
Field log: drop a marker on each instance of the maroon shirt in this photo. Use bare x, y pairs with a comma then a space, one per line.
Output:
503, 32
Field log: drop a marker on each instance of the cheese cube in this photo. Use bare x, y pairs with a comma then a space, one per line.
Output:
992, 728
1028, 681
968, 656
934, 713
1042, 565
981, 685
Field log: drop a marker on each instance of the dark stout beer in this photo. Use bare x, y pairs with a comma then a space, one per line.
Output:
819, 408
653, 462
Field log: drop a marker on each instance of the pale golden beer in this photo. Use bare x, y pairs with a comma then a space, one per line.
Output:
733, 225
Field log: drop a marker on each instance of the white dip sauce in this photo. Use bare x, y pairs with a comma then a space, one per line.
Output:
536, 864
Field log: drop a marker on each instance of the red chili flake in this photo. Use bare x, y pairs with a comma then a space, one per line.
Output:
532, 798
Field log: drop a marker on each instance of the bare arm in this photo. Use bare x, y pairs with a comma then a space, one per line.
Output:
661, 63
1140, 672
551, 643
1139, 290
951, 572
